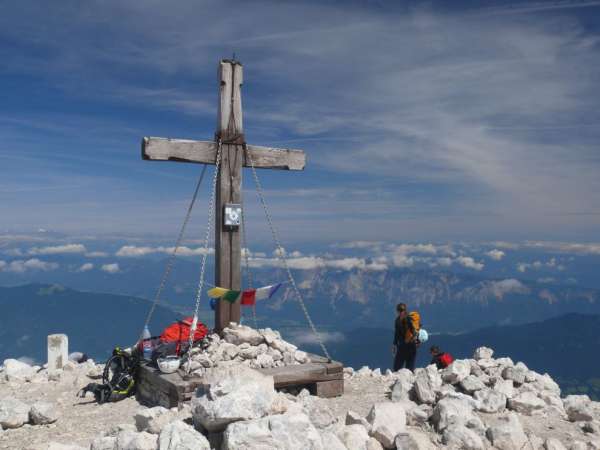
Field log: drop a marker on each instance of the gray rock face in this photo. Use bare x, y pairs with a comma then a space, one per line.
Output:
331, 441
578, 408
414, 440
284, 431
13, 413
451, 411
42, 413
128, 440
153, 419
231, 394
483, 353
490, 401
461, 437
457, 371
471, 384
353, 418
554, 444
427, 382
374, 444
517, 375
505, 387
354, 437
104, 443
402, 389
387, 420
508, 434
238, 334
178, 435
526, 403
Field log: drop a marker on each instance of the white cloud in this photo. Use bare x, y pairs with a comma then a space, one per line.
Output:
496, 254
110, 268
401, 260
132, 251
552, 263
317, 262
545, 280
566, 247
308, 337
96, 254
85, 267
508, 286
469, 263
58, 249
22, 266
2, 265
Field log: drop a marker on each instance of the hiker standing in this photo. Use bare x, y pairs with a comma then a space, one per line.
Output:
406, 331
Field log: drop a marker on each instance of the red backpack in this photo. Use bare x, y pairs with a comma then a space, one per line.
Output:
446, 359
179, 332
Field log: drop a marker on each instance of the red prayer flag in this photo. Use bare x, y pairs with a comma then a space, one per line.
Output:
249, 297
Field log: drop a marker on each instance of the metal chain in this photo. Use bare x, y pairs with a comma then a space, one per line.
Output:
246, 260
281, 255
171, 260
211, 208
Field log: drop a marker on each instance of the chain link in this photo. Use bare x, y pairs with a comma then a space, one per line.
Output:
281, 254
171, 260
211, 208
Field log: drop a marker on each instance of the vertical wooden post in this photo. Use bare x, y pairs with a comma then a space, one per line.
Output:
228, 243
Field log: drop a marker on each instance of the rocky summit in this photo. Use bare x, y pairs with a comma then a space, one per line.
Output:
478, 403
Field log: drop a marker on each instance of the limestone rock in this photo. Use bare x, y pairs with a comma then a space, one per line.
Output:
230, 394
59, 446
331, 441
483, 353
554, 444
178, 435
13, 413
526, 403
461, 437
517, 375
387, 420
238, 334
427, 382
152, 420
456, 372
451, 411
15, 370
353, 418
471, 384
127, 440
414, 440
578, 408
508, 434
505, 387
354, 437
374, 444
284, 431
104, 443
490, 401
43, 413
403, 386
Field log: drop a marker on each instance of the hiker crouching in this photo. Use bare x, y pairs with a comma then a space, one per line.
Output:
406, 341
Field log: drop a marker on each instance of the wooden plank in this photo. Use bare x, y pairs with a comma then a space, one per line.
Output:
328, 389
229, 123
275, 158
180, 150
205, 152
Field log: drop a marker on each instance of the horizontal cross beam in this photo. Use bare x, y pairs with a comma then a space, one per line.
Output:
205, 152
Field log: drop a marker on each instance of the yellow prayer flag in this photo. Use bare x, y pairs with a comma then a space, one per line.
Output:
217, 292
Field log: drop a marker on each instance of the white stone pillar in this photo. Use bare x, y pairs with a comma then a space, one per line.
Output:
58, 351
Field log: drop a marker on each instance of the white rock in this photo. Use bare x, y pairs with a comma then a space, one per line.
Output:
15, 370
374, 444
275, 354
461, 437
456, 372
331, 441
269, 335
283, 346
554, 444
264, 361
414, 440
487, 363
427, 382
505, 387
127, 440
230, 394
517, 375
553, 401
43, 413
178, 435
483, 353
490, 401
505, 362
546, 383
239, 334
354, 437
508, 433
403, 386
284, 432
317, 410
526, 403
387, 420
471, 384
578, 445
104, 443
153, 419
13, 413
451, 411
353, 418
59, 446
578, 408
301, 357
364, 371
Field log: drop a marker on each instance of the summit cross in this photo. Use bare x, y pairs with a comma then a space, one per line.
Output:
230, 133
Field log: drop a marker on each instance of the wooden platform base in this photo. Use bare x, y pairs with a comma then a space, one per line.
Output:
320, 377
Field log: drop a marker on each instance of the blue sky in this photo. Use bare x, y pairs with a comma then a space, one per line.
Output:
422, 122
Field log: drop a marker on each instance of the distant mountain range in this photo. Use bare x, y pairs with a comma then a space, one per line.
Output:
566, 347
95, 323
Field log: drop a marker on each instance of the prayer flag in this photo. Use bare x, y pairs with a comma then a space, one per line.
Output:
267, 291
217, 292
213, 303
231, 296
249, 297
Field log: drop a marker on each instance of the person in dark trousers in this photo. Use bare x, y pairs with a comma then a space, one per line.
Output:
405, 346
439, 358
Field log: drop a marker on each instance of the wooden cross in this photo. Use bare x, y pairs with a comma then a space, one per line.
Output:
230, 133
